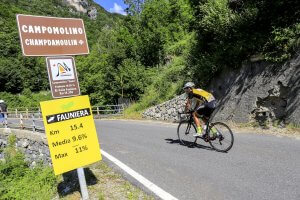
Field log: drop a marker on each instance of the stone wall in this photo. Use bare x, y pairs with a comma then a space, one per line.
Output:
33, 145
257, 92
166, 111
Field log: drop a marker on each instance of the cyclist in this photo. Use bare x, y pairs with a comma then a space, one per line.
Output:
204, 103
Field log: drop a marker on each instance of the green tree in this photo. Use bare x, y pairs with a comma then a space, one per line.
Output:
130, 79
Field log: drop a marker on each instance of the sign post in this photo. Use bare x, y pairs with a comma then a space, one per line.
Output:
69, 123
82, 183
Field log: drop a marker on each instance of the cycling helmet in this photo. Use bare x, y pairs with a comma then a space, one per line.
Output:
189, 85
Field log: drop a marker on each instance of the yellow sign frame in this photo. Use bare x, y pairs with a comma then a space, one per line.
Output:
71, 133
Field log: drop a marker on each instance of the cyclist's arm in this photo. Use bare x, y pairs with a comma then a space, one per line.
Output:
197, 104
187, 105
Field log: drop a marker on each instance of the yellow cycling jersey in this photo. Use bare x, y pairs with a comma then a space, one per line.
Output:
203, 95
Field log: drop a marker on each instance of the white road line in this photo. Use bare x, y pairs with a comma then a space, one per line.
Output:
148, 184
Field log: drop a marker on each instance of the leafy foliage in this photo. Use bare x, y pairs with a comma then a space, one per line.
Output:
18, 72
138, 56
229, 32
283, 42
25, 99
18, 181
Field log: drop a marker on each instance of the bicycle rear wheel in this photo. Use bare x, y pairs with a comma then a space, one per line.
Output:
224, 140
185, 132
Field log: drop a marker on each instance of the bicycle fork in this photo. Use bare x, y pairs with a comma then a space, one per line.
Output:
188, 129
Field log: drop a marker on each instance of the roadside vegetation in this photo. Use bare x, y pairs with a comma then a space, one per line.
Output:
147, 55
19, 181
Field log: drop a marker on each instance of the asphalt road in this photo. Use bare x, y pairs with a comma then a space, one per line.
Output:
257, 167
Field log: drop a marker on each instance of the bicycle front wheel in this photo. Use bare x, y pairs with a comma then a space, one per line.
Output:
224, 140
185, 132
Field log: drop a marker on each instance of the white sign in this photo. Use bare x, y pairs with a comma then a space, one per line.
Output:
62, 69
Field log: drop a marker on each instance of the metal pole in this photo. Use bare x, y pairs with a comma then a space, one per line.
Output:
82, 182
5, 120
21, 121
27, 113
40, 114
33, 123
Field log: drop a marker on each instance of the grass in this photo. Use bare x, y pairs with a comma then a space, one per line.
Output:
293, 127
18, 181
290, 130
104, 183
132, 112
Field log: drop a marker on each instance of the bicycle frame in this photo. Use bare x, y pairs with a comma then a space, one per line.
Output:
191, 120
215, 138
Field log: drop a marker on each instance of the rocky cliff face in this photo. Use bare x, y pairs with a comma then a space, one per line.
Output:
83, 6
257, 92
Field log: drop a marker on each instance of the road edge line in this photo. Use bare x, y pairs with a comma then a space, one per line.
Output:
148, 184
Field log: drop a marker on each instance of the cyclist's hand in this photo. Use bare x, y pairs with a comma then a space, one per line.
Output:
187, 111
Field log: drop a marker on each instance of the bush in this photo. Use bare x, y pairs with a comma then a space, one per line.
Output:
167, 83
283, 43
217, 17
26, 99
18, 181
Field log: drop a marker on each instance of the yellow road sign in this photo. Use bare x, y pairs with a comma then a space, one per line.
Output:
71, 133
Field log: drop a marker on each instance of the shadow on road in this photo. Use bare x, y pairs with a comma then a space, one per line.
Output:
192, 145
70, 182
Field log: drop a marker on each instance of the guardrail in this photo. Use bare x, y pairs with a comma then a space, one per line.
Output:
108, 111
31, 119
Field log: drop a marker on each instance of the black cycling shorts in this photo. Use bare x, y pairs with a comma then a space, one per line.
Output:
206, 109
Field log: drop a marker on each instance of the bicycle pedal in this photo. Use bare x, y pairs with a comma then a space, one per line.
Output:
213, 137
205, 138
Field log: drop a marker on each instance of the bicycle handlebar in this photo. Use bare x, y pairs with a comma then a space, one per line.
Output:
188, 112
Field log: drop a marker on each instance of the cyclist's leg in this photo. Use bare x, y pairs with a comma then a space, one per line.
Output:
199, 121
196, 119
205, 111
209, 109
198, 125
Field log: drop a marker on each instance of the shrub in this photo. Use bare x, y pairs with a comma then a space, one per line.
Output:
19, 182
283, 42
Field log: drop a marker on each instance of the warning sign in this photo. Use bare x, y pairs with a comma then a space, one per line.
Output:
62, 77
49, 36
71, 133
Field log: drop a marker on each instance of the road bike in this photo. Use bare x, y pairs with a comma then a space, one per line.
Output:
221, 139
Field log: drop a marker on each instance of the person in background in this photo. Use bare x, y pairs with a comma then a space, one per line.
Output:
3, 108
